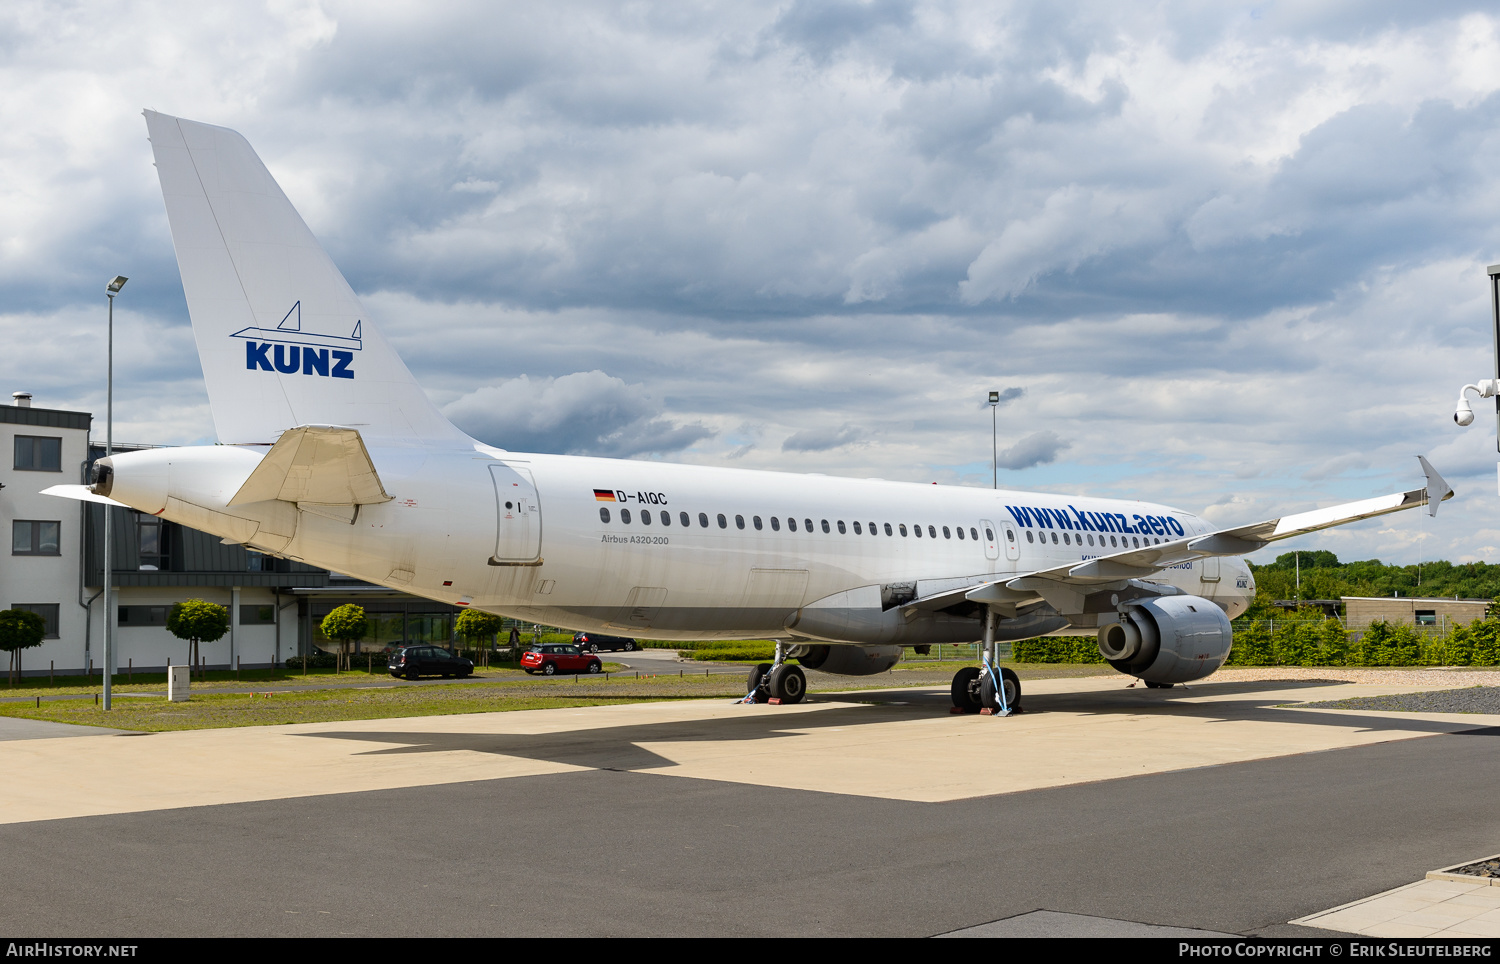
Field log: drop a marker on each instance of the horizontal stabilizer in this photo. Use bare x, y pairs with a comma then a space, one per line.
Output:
80, 493
325, 464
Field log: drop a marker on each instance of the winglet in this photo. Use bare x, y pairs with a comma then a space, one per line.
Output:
1437, 489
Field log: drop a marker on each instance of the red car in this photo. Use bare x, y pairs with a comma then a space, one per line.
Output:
551, 659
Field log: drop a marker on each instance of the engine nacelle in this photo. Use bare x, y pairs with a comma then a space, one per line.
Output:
848, 660
1168, 639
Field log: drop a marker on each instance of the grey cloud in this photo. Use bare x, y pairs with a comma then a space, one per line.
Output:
822, 439
1038, 448
585, 413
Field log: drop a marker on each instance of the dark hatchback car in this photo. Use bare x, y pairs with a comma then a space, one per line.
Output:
414, 661
593, 642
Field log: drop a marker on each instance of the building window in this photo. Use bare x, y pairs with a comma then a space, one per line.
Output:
1426, 617
152, 535
29, 537
36, 453
48, 612
257, 615
143, 616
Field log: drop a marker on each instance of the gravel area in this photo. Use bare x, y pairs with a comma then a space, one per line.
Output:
1436, 677
1471, 699
1484, 868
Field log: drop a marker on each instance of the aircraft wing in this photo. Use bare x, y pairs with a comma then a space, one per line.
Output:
1120, 568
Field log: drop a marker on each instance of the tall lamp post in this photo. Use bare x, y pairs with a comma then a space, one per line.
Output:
111, 289
994, 440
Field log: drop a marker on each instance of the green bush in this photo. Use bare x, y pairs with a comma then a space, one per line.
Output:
1057, 649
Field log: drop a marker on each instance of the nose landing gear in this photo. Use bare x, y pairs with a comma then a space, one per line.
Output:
987, 686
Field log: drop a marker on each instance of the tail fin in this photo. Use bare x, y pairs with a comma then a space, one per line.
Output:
281, 335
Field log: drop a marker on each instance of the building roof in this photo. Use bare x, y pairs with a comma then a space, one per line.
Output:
1417, 599
45, 417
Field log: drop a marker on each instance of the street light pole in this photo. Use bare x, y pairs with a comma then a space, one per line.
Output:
994, 440
111, 289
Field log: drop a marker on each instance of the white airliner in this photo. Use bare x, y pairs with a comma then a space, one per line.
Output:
330, 453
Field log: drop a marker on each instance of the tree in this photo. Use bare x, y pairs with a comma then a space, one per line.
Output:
346, 624
196, 620
20, 629
476, 624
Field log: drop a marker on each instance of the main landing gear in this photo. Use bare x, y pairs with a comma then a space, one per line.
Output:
780, 681
988, 686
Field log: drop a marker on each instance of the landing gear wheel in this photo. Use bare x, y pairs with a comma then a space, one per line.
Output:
1158, 686
753, 684
990, 698
965, 689
788, 683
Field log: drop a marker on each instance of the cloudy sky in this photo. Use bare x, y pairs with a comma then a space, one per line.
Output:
1228, 257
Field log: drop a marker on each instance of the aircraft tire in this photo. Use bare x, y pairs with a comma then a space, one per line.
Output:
788, 683
1158, 686
963, 689
1012, 684
752, 685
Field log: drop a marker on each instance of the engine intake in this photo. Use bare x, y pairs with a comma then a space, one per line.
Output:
1168, 639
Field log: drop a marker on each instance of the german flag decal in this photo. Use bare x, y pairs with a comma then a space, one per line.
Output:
604, 495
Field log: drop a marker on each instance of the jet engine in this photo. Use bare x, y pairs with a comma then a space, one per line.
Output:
848, 660
1167, 639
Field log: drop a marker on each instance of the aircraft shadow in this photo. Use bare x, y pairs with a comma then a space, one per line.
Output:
619, 748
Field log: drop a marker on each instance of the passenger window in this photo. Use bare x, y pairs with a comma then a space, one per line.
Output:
931, 532
1090, 539
603, 513
775, 524
857, 530
888, 529
791, 524
1010, 535
918, 531
1054, 537
625, 516
960, 531
945, 533
645, 517
808, 523
739, 522
1137, 542
842, 530
685, 519
973, 534
1067, 541
825, 527
990, 534
1029, 537
1114, 542
723, 522
873, 531
703, 519
756, 520
902, 527
666, 517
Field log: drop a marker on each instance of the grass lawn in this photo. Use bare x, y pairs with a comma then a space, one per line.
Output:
250, 679
213, 710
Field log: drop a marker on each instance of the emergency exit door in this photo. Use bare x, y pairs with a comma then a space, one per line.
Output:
518, 512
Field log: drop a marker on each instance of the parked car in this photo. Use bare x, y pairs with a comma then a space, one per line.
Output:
593, 642
414, 661
550, 659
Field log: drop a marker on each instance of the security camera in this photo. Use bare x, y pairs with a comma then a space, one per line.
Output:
1464, 414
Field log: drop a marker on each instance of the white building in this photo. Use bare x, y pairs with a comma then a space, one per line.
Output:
55, 568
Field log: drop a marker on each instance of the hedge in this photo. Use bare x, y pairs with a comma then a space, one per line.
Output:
1313, 643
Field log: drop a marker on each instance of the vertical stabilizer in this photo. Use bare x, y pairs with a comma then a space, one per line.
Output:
282, 337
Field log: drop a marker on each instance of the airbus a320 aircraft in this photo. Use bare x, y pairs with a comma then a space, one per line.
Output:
331, 453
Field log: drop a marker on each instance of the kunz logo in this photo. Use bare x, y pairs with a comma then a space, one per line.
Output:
289, 350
